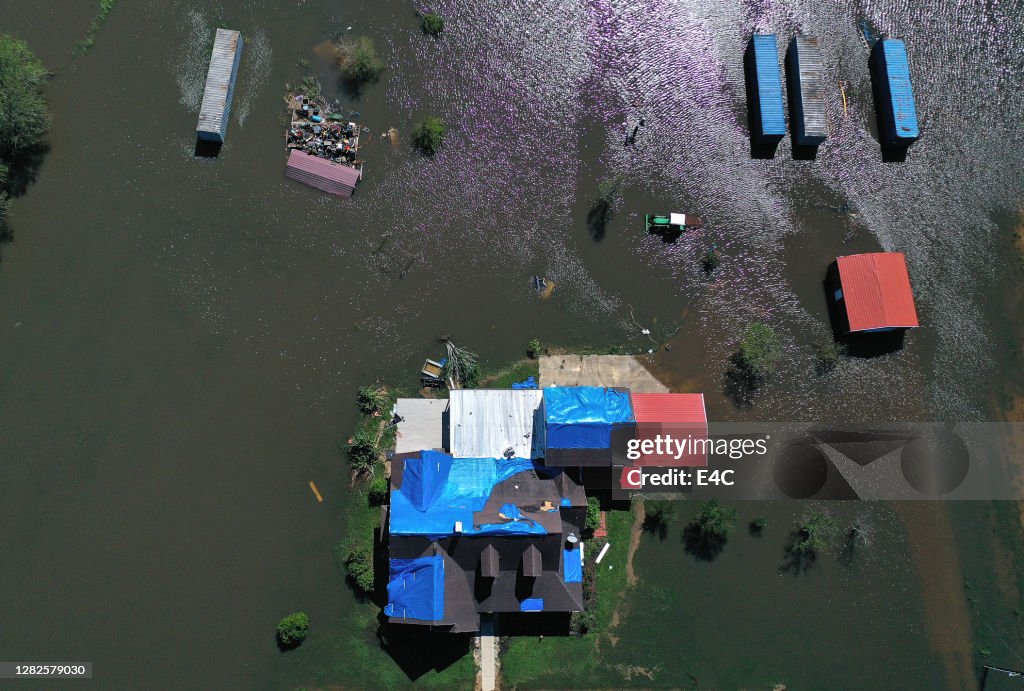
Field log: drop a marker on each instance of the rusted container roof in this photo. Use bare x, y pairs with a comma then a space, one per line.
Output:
322, 174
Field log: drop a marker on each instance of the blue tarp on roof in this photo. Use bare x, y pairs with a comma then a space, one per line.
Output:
572, 560
582, 417
416, 588
769, 85
532, 604
898, 110
438, 490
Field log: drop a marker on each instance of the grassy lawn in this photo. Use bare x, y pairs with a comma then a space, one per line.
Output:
504, 377
568, 661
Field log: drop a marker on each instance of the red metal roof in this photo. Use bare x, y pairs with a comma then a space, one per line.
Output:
322, 174
876, 291
669, 407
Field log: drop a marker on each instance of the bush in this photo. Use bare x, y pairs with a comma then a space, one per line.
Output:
711, 260
357, 559
758, 525
378, 492
581, 623
814, 534
373, 400
358, 60
593, 514
534, 349
24, 117
433, 23
829, 353
291, 630
707, 533
363, 451
428, 135
759, 350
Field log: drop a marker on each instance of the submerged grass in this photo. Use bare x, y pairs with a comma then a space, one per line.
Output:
106, 6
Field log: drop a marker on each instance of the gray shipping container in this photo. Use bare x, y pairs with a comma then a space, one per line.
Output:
807, 91
220, 86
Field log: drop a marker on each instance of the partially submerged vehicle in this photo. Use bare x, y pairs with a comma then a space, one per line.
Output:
672, 223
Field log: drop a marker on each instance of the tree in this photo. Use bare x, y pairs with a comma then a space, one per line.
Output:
710, 261
291, 630
657, 516
759, 350
24, 117
4, 199
710, 529
433, 23
814, 534
358, 60
758, 525
593, 514
428, 135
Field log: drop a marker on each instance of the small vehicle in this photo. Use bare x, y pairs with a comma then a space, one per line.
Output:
672, 223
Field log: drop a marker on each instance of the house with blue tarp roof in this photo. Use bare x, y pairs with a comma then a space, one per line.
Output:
472, 536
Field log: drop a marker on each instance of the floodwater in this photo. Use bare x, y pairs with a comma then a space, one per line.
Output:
182, 338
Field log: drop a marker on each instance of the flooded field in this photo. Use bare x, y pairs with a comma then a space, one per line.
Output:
182, 338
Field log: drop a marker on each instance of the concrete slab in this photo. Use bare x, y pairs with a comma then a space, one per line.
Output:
422, 424
598, 370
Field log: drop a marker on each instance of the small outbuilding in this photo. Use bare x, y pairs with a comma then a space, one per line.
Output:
679, 416
330, 177
871, 293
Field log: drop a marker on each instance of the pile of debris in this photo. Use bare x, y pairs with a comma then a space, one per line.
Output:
318, 131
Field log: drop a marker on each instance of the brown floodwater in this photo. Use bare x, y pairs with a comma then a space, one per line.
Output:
182, 338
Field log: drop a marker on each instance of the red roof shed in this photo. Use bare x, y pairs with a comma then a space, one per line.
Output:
679, 415
322, 174
876, 291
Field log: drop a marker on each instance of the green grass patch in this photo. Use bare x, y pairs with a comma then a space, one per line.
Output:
529, 662
503, 378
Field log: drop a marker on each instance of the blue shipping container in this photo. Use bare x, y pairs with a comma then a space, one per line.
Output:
762, 63
891, 72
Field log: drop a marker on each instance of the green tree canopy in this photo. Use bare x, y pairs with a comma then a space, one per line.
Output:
24, 117
291, 630
433, 23
759, 350
428, 135
358, 60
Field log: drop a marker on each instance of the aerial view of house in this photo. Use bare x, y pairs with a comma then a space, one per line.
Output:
512, 345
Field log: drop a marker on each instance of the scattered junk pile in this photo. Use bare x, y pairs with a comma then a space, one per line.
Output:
323, 146
456, 371
317, 131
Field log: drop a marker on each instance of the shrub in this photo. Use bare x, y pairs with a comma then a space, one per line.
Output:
829, 353
711, 260
358, 60
758, 525
534, 348
363, 451
759, 350
714, 520
428, 135
357, 559
291, 630
593, 514
24, 117
433, 23
814, 534
373, 400
581, 623
378, 492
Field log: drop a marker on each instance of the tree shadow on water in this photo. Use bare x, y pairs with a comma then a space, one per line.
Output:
740, 383
702, 545
23, 169
597, 219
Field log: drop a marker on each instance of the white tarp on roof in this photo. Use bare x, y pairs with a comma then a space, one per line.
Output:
677, 219
483, 423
